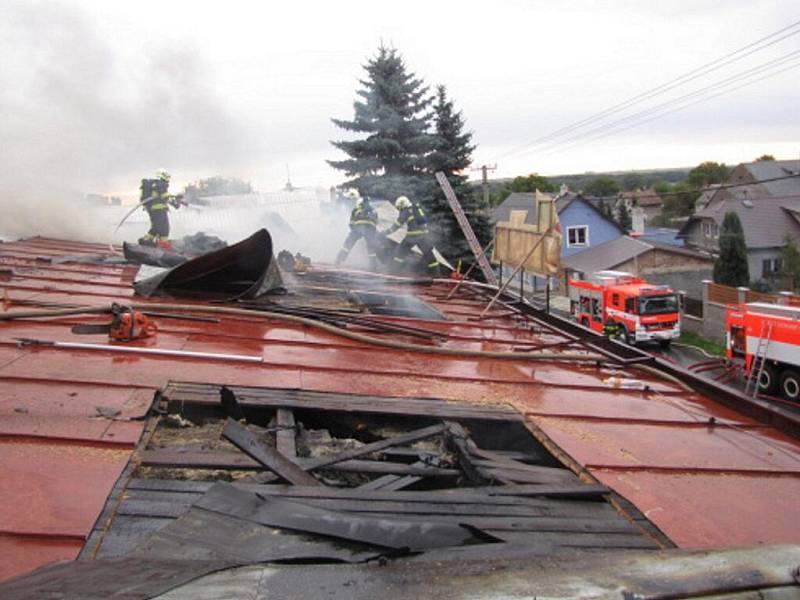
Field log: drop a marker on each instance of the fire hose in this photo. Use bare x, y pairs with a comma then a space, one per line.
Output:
357, 337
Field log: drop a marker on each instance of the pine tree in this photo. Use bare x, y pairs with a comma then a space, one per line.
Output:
393, 114
452, 154
730, 268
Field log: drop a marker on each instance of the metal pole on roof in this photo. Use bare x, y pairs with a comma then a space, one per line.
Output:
513, 273
547, 297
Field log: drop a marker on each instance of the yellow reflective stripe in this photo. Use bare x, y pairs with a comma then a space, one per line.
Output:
417, 232
157, 206
433, 264
399, 259
362, 222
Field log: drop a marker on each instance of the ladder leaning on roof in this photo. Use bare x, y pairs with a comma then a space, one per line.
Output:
759, 359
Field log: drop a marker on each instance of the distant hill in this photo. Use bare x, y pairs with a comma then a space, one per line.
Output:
625, 179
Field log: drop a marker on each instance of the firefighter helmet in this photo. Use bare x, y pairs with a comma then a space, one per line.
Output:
402, 202
162, 174
352, 194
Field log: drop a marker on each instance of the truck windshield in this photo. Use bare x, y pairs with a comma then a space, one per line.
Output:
656, 305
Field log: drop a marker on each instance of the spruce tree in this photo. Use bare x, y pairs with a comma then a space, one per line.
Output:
392, 113
730, 268
452, 154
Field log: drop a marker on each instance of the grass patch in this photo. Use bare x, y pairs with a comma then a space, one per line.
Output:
692, 339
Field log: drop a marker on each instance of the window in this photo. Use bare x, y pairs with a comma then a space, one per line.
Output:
629, 306
615, 299
770, 267
578, 236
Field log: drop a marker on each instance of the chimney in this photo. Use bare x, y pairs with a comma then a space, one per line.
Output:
637, 219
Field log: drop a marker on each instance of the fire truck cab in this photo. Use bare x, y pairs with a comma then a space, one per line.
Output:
770, 333
642, 312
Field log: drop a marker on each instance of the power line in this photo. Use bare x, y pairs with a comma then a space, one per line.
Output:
664, 105
665, 113
660, 89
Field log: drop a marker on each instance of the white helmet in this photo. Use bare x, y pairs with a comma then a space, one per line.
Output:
402, 202
352, 194
162, 174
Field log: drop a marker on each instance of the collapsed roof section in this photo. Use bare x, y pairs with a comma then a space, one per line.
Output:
244, 270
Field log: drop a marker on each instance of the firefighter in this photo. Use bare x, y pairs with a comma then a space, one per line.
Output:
156, 199
363, 224
416, 223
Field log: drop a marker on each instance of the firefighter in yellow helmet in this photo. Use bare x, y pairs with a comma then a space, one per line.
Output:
156, 199
363, 224
412, 216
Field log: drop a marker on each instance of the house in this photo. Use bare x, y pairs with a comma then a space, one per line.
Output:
647, 199
583, 223
766, 199
660, 263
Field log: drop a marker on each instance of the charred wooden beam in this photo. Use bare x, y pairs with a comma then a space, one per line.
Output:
285, 440
270, 458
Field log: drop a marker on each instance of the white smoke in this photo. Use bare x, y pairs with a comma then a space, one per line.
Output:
75, 117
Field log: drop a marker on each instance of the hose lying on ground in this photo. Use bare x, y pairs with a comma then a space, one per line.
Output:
351, 335
357, 337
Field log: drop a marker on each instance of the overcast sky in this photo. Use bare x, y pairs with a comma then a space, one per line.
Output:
95, 95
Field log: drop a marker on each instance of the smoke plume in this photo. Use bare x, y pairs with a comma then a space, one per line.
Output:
78, 116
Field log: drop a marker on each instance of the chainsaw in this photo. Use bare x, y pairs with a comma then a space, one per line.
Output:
126, 325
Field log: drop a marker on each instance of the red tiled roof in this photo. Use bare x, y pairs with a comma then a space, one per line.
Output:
726, 485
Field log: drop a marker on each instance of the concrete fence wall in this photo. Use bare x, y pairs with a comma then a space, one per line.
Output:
715, 298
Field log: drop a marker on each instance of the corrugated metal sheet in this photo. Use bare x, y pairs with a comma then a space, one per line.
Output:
725, 485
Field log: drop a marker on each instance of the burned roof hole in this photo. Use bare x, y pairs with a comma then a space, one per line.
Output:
315, 472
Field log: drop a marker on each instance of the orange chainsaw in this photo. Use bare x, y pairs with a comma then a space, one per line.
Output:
126, 325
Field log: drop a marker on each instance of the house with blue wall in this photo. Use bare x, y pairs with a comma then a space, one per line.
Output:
583, 224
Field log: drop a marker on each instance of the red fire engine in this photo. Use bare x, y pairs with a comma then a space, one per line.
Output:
640, 311
767, 337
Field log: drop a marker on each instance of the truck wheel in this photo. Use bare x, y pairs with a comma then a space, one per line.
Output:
585, 322
768, 380
790, 385
664, 344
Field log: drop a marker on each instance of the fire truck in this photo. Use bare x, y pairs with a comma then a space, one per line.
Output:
637, 310
767, 338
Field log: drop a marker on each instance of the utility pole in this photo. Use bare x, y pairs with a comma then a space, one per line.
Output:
484, 169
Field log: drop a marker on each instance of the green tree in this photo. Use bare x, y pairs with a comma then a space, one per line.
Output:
679, 202
392, 113
789, 272
730, 268
452, 154
632, 181
603, 187
217, 186
624, 217
764, 157
531, 183
707, 173
661, 187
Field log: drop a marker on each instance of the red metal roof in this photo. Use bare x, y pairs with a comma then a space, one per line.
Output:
732, 483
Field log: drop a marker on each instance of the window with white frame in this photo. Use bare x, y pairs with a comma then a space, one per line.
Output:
578, 235
770, 267
710, 229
